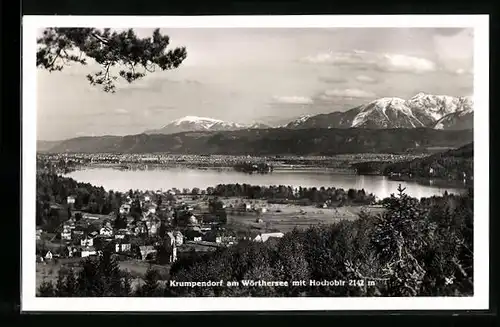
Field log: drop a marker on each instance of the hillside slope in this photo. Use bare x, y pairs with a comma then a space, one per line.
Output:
274, 142
456, 164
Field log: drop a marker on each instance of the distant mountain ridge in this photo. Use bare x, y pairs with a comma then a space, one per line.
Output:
274, 141
43, 146
198, 124
422, 110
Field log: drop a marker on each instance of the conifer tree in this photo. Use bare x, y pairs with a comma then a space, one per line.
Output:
400, 237
46, 289
151, 285
109, 272
123, 54
60, 290
71, 285
126, 285
90, 281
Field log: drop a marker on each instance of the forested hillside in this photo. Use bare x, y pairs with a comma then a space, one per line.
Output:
274, 142
456, 164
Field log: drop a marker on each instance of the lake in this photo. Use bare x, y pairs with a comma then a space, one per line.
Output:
164, 179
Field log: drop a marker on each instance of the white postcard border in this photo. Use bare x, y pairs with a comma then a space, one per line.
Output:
480, 300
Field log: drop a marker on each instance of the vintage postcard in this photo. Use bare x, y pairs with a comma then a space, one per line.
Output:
234, 163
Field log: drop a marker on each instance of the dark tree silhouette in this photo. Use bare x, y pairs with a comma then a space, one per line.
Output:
127, 285
46, 289
89, 280
119, 222
151, 285
70, 284
133, 57
60, 287
109, 272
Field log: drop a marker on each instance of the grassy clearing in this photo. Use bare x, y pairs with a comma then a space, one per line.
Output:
284, 217
138, 268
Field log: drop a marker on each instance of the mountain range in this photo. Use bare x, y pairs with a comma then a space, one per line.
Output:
370, 127
422, 110
274, 141
198, 124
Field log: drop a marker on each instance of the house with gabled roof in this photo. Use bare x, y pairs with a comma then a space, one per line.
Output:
49, 255
265, 236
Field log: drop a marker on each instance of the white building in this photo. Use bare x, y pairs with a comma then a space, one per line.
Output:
265, 236
48, 255
106, 231
88, 251
172, 245
125, 209
122, 247
66, 234
87, 242
179, 238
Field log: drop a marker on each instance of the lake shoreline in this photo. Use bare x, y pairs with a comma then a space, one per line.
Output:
181, 178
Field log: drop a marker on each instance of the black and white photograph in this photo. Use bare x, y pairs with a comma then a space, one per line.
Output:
255, 163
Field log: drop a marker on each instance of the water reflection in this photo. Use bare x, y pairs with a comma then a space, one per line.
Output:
164, 179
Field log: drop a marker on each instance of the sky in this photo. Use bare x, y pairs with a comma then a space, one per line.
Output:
268, 75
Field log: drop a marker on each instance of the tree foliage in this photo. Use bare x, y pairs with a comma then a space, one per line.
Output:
456, 164
301, 195
133, 57
54, 189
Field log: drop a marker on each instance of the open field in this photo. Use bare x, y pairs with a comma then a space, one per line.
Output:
284, 217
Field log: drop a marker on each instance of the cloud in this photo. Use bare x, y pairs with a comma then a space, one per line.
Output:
160, 108
363, 60
156, 84
408, 64
121, 111
462, 71
333, 80
365, 79
336, 58
347, 93
292, 99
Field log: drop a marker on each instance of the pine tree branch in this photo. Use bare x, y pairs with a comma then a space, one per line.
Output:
100, 39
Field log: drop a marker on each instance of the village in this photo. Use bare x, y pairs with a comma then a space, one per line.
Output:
153, 227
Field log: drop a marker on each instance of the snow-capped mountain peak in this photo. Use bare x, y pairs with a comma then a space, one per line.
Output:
297, 122
196, 124
196, 119
386, 112
421, 110
438, 106
384, 103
